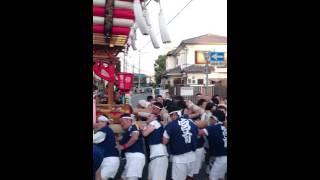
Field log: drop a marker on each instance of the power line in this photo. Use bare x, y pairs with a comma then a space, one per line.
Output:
179, 12
148, 3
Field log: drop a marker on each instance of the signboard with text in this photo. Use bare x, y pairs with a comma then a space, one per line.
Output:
186, 91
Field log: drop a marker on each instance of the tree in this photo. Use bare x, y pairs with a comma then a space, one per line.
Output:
159, 68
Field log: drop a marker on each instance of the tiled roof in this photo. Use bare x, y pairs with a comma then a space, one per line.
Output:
174, 70
206, 39
195, 68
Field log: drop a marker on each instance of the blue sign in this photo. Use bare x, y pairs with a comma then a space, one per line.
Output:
216, 56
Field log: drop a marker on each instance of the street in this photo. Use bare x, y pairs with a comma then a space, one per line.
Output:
136, 97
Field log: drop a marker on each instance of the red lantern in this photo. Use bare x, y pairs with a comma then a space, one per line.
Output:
106, 73
125, 81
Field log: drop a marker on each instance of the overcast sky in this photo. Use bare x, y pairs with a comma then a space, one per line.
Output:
198, 18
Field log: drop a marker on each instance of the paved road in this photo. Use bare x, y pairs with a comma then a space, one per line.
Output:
136, 97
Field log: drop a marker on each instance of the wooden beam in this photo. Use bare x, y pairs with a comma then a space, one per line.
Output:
110, 93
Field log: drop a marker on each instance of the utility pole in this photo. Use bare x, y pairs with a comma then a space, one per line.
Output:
139, 70
207, 71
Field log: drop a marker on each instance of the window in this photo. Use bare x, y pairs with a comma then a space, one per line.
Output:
200, 81
176, 81
189, 81
200, 57
193, 81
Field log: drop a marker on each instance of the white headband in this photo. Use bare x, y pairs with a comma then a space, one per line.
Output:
126, 117
175, 112
103, 118
157, 107
214, 117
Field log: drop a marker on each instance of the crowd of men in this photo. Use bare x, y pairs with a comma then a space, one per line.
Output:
187, 135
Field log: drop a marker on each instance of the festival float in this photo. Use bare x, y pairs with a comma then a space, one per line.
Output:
115, 23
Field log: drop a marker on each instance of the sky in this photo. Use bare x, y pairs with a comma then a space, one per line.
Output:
200, 17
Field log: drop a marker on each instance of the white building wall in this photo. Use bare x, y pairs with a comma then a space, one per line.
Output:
171, 62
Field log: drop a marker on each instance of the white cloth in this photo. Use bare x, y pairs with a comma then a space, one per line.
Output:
155, 124
134, 155
134, 165
158, 150
103, 118
166, 135
144, 103
184, 158
219, 168
180, 171
158, 168
98, 137
206, 116
132, 178
200, 155
109, 167
143, 114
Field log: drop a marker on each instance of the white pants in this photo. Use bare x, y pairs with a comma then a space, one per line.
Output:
200, 152
219, 168
131, 178
158, 168
134, 167
109, 167
180, 171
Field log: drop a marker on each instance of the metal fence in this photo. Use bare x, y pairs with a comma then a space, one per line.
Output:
212, 90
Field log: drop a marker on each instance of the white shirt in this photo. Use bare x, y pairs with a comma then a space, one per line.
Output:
98, 137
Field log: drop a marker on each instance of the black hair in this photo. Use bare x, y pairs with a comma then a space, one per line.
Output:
181, 104
167, 103
158, 104
222, 107
198, 94
149, 98
158, 96
209, 106
215, 100
220, 115
173, 107
200, 102
178, 98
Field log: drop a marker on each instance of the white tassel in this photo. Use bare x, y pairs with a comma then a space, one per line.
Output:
139, 17
131, 34
163, 29
133, 44
131, 39
129, 42
146, 16
153, 38
135, 31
